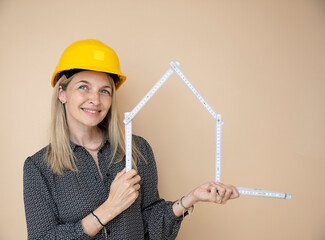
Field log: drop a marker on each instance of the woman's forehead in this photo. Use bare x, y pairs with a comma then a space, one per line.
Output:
93, 77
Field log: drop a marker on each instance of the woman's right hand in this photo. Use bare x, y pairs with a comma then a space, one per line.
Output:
124, 190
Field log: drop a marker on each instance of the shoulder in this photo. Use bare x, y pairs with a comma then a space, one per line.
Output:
38, 161
146, 151
147, 169
140, 141
142, 145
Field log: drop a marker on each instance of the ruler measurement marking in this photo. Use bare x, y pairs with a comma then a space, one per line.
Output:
128, 144
218, 149
263, 193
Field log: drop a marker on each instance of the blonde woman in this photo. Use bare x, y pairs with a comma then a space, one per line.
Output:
77, 187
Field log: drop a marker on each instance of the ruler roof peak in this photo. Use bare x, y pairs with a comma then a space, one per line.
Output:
173, 68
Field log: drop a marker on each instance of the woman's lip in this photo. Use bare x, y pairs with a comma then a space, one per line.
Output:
91, 111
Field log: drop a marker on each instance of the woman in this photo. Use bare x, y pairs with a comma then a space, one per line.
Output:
77, 187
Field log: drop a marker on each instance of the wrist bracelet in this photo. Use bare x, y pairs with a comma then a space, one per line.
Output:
97, 219
184, 208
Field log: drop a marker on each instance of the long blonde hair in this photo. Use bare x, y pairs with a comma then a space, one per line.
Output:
59, 154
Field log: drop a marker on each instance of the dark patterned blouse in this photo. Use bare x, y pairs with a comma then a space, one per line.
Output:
55, 205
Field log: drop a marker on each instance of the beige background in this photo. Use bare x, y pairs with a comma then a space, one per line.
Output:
260, 63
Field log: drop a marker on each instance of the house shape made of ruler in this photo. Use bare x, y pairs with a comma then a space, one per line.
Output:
174, 67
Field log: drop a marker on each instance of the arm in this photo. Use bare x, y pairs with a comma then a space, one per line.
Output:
41, 213
208, 192
40, 209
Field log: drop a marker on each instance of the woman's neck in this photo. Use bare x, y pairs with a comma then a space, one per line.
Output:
90, 138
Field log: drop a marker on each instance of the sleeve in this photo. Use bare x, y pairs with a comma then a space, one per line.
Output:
40, 210
159, 219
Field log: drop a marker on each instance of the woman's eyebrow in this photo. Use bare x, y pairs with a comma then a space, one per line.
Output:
86, 82
83, 81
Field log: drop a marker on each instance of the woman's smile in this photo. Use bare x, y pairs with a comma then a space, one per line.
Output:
92, 112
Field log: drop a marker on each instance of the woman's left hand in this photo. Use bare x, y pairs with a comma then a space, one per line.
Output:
208, 192
214, 192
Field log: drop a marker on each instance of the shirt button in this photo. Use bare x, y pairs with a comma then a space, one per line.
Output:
107, 174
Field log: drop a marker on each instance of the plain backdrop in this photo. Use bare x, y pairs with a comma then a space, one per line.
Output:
259, 63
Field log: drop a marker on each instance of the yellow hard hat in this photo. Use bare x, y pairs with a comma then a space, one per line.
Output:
91, 55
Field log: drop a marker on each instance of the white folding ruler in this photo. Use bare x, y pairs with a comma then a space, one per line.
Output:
217, 117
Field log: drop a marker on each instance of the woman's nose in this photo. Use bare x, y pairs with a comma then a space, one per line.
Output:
94, 98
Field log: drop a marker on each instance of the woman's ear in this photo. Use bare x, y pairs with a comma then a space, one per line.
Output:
62, 95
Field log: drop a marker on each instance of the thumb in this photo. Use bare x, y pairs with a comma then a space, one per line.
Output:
119, 174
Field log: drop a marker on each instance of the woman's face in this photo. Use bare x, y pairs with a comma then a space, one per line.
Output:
87, 99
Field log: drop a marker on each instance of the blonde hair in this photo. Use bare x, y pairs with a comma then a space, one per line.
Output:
59, 154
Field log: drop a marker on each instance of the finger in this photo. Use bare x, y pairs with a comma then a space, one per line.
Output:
221, 189
213, 196
228, 194
127, 175
131, 173
129, 184
119, 174
132, 192
221, 192
133, 189
235, 192
137, 187
135, 179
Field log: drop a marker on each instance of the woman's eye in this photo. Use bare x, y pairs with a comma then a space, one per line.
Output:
106, 92
83, 87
